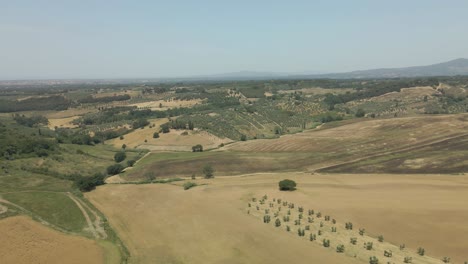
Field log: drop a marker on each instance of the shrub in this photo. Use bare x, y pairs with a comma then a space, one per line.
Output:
86, 184
361, 231
120, 156
446, 260
340, 248
408, 260
421, 251
130, 163
287, 185
326, 242
353, 240
402, 246
114, 169
165, 128
360, 113
368, 245
189, 185
388, 253
197, 148
208, 171
300, 232
243, 137
155, 135
312, 237
373, 260
266, 219
349, 226
311, 212
333, 229
277, 222
288, 228
381, 238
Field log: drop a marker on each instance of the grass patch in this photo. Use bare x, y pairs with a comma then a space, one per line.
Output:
189, 185
55, 208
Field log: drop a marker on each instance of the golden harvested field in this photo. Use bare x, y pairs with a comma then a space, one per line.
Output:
162, 223
26, 241
62, 122
407, 94
72, 112
167, 104
366, 136
172, 141
137, 137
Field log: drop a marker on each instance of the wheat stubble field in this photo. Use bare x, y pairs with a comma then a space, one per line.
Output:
210, 224
26, 241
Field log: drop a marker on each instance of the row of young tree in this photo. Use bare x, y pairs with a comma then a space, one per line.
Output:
340, 248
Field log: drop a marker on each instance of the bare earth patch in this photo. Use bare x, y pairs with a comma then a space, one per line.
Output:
26, 241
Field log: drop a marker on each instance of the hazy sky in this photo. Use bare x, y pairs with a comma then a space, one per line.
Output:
132, 39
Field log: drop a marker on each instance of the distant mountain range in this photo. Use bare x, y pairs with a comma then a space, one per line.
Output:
450, 68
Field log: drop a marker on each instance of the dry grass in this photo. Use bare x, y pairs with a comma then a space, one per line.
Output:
26, 241
175, 140
167, 104
62, 122
364, 136
209, 223
137, 137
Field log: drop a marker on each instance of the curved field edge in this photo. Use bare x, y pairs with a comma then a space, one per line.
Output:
68, 214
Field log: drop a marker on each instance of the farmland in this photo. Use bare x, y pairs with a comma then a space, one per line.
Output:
387, 155
383, 204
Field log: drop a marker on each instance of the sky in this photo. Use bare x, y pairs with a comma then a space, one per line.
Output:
152, 39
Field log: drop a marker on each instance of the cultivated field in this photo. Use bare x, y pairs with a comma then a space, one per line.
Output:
397, 145
162, 223
26, 241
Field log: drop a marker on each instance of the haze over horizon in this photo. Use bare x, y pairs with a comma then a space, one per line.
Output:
154, 39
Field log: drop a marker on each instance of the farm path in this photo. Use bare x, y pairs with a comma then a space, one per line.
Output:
95, 228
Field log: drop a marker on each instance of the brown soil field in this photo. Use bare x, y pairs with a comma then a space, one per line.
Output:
172, 141
162, 223
26, 241
167, 104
